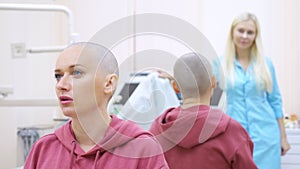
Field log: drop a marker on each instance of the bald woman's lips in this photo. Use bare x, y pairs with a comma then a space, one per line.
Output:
64, 100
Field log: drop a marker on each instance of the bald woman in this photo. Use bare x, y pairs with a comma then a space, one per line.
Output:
86, 78
194, 135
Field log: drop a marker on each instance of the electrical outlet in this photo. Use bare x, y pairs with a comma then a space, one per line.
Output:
5, 90
18, 50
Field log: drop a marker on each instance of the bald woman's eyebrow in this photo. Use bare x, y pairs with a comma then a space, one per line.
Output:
71, 67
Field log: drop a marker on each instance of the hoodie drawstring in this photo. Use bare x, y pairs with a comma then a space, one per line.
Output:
96, 159
72, 153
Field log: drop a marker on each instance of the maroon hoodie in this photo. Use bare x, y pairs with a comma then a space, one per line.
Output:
203, 138
125, 146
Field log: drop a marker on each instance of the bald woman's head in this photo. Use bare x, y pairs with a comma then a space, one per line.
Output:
98, 55
96, 64
193, 74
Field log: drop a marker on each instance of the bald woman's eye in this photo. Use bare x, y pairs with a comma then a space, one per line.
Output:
77, 73
58, 76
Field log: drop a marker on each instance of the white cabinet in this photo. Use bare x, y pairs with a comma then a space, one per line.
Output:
292, 159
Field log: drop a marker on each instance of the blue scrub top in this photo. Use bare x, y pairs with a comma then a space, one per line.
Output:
257, 111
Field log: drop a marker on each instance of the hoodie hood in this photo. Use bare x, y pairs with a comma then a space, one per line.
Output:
118, 133
189, 127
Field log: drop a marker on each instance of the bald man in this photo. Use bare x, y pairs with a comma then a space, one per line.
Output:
86, 77
194, 135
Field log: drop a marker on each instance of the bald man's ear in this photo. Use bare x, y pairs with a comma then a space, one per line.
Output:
111, 83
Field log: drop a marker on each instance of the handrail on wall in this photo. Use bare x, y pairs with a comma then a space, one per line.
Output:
43, 102
42, 7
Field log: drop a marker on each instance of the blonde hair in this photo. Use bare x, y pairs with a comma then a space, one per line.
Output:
260, 68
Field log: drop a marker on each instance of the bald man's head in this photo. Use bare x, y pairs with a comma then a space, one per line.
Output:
193, 74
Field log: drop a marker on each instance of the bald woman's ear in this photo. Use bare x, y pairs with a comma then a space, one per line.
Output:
111, 83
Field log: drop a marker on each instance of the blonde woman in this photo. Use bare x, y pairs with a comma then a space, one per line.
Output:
252, 92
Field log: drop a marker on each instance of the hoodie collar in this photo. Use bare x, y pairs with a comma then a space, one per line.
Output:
189, 127
119, 132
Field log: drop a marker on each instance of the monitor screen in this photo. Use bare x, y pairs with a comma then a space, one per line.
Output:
126, 92
216, 97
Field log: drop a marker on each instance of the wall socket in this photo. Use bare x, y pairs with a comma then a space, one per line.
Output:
5, 90
18, 50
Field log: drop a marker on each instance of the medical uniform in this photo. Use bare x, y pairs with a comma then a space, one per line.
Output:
257, 110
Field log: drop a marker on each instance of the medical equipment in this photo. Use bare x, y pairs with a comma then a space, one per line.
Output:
217, 100
29, 135
144, 98
19, 50
43, 7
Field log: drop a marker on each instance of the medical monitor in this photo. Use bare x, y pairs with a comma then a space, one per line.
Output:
215, 100
126, 92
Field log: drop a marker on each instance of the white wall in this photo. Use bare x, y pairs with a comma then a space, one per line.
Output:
32, 77
284, 48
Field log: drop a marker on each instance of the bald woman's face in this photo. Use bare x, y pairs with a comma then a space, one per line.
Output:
80, 85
